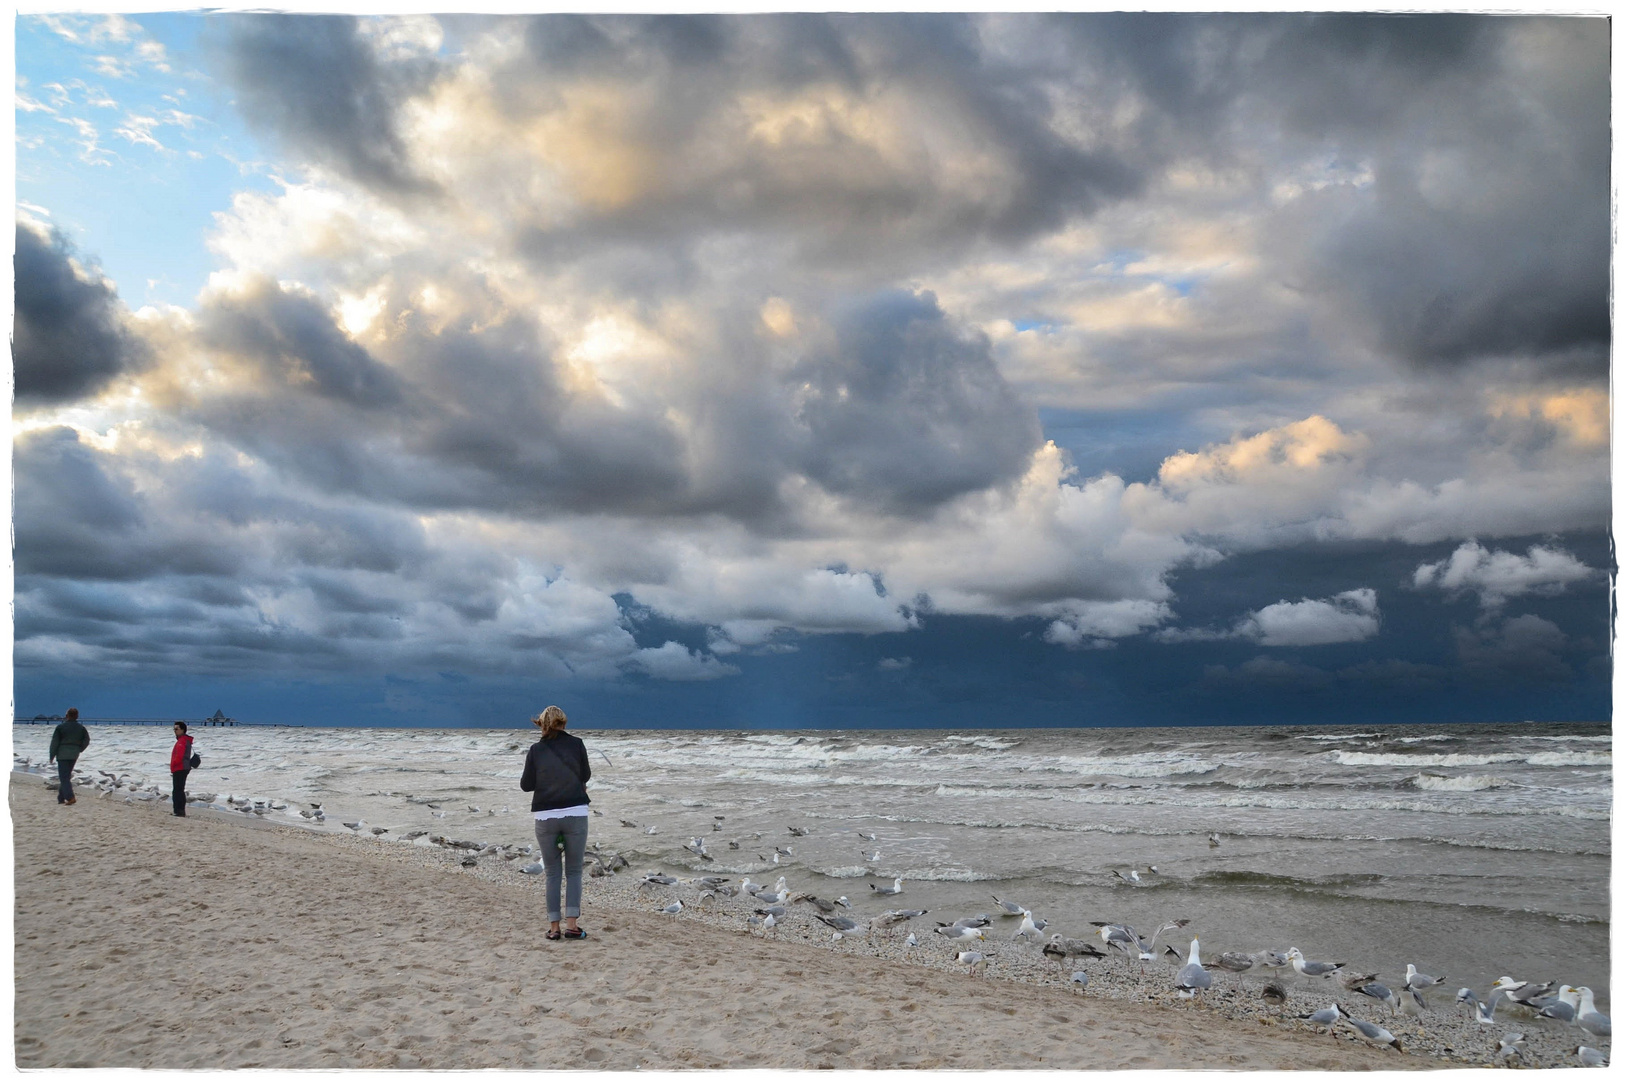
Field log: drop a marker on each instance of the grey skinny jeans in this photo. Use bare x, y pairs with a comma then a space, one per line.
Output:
574, 831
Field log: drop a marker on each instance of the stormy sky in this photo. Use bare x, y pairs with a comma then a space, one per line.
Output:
813, 370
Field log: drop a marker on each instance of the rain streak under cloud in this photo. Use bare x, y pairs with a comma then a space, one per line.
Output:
692, 364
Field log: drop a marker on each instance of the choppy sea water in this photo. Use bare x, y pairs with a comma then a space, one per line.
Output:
1471, 851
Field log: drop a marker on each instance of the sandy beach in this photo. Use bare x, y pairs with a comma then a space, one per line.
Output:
222, 941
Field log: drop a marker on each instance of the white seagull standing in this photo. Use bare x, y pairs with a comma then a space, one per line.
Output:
1193, 976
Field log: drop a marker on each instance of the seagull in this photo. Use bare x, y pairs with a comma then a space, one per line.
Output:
1486, 1011
354, 826
1115, 936
973, 920
1028, 926
1009, 909
379, 830
1236, 962
1311, 968
888, 919
672, 908
1323, 1018
1519, 992
1417, 981
1587, 1016
1590, 1057
1080, 978
1273, 994
972, 961
1381, 993
1060, 948
1510, 1045
659, 879
775, 910
1353, 980
870, 856
1213, 840
1193, 976
869, 836
770, 922
1132, 877
1147, 950
533, 868
911, 941
826, 906
895, 888
797, 832
1564, 1008
1375, 1034
841, 925
961, 933
650, 831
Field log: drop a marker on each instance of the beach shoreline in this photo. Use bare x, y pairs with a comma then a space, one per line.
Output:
147, 941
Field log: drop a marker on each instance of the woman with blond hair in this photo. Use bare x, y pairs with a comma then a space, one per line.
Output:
556, 773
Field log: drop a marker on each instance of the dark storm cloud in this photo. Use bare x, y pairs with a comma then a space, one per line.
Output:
314, 82
293, 340
68, 336
909, 410
902, 410
843, 198
1486, 230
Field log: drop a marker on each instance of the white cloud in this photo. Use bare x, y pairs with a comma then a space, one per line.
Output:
1346, 617
1496, 576
673, 661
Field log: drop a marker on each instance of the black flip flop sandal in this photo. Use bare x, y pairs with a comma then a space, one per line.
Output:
575, 935
553, 935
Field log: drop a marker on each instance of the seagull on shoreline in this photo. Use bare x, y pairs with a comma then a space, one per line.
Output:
894, 889
1587, 1016
1008, 909
1591, 1057
1323, 1018
1193, 976
1375, 1034
1311, 968
972, 961
1061, 949
961, 933
1417, 981
1380, 993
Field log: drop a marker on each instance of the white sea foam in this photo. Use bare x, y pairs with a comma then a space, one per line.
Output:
1339, 738
983, 742
1469, 782
1551, 757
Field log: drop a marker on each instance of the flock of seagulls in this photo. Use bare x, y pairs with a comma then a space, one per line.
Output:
1547, 1002
1193, 974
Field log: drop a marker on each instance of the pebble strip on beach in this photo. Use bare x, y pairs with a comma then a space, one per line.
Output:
1448, 1033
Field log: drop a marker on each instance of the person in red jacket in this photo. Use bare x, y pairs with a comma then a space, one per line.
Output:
180, 763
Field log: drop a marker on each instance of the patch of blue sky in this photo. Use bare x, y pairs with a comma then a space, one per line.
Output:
1130, 443
128, 147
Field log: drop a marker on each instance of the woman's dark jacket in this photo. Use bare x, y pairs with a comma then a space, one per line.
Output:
556, 770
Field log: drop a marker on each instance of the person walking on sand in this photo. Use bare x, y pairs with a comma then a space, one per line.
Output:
556, 772
68, 741
180, 763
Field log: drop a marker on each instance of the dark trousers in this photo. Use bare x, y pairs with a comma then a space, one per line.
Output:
180, 791
64, 773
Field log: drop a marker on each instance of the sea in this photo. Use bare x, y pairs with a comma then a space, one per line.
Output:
1470, 850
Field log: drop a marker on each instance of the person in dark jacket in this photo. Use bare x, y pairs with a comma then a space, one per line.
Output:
556, 773
180, 763
68, 741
